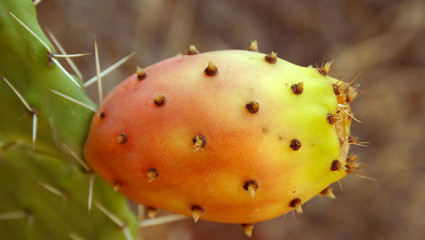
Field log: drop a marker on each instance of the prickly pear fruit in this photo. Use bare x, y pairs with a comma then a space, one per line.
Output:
230, 136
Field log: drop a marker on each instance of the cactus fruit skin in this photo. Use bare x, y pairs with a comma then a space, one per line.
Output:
229, 136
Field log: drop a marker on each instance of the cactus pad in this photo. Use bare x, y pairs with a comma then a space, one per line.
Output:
44, 191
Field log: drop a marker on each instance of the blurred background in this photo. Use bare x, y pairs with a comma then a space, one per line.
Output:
383, 40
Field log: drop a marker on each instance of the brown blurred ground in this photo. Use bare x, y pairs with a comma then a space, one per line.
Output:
383, 39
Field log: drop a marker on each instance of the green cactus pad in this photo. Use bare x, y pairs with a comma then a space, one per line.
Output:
44, 192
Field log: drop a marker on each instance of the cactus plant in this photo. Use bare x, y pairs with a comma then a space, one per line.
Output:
40, 179
229, 136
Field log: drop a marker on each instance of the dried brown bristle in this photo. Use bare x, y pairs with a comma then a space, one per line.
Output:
352, 166
192, 50
352, 158
140, 74
271, 57
327, 192
352, 139
251, 186
336, 165
159, 100
351, 94
324, 70
152, 174
211, 69
122, 138
253, 47
336, 89
295, 144
297, 88
199, 141
252, 106
296, 203
331, 118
